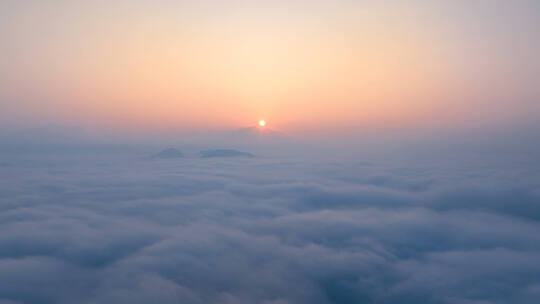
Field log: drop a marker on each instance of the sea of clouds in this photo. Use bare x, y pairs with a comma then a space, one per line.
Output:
124, 228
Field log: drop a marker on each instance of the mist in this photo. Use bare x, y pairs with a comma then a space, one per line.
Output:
398, 162
322, 219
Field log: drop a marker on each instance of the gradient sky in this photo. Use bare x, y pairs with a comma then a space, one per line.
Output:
301, 65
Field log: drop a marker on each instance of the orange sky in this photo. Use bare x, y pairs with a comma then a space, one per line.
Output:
300, 65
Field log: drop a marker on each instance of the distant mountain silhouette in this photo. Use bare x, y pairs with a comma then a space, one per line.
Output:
224, 153
169, 153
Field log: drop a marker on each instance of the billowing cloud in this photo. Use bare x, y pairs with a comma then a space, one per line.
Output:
272, 230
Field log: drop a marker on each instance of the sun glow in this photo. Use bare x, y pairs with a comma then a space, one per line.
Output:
262, 123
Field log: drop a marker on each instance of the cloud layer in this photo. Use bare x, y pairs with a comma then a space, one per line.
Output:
116, 229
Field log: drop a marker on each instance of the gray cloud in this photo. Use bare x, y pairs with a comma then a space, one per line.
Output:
125, 229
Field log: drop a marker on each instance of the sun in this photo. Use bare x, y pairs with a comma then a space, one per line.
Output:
262, 123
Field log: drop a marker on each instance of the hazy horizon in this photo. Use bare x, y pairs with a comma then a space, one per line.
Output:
269, 152
303, 66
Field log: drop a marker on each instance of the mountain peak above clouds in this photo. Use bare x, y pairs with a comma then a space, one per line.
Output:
168, 154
